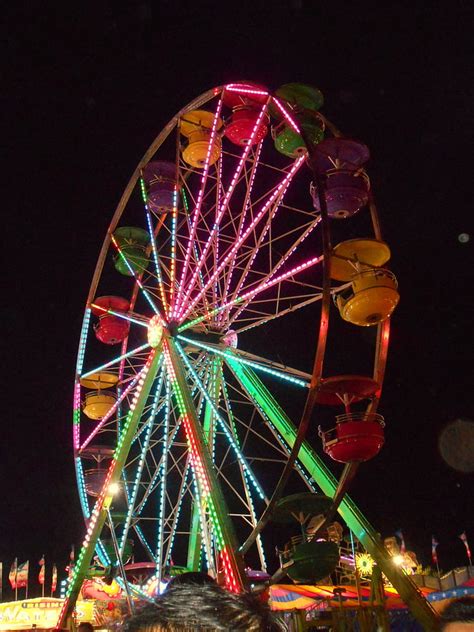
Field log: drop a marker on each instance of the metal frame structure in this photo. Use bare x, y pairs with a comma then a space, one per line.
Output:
237, 250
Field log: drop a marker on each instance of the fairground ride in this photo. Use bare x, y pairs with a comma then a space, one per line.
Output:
223, 256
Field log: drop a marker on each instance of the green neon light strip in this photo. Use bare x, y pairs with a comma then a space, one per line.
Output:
353, 517
259, 394
232, 357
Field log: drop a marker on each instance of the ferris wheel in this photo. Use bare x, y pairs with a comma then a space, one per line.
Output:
189, 421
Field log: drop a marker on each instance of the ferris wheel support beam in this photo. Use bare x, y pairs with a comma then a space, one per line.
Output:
348, 510
195, 540
102, 505
210, 491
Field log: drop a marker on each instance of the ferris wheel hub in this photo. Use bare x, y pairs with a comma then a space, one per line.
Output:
155, 331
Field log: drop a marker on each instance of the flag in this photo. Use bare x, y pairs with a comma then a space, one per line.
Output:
434, 544
22, 575
12, 573
54, 579
42, 570
399, 535
70, 566
463, 537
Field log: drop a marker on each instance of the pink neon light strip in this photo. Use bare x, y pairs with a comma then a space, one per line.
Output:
271, 282
199, 200
280, 190
243, 216
236, 87
223, 206
216, 247
276, 268
286, 115
174, 225
261, 287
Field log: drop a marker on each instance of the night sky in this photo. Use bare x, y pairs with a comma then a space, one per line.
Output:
87, 87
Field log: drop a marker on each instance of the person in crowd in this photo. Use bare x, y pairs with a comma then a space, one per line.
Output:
202, 607
458, 616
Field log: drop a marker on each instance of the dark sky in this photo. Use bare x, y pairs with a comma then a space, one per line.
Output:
88, 86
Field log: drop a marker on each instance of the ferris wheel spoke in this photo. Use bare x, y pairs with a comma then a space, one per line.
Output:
277, 314
263, 365
144, 543
270, 282
247, 251
167, 441
268, 206
280, 310
132, 495
225, 203
137, 475
243, 215
278, 422
251, 293
132, 272
196, 247
228, 433
248, 494
307, 230
163, 474
128, 316
123, 356
196, 212
152, 234
207, 483
112, 410
175, 511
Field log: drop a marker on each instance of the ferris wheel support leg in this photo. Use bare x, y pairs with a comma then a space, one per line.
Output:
353, 517
102, 505
211, 494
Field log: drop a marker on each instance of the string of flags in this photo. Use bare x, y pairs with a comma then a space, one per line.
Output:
19, 575
434, 546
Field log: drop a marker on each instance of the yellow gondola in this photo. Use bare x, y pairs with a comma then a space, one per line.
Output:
373, 298
197, 126
100, 400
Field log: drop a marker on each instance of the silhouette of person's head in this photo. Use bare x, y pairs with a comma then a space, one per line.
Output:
458, 616
202, 607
